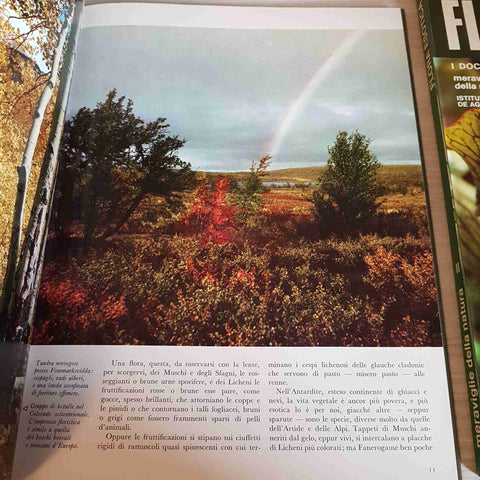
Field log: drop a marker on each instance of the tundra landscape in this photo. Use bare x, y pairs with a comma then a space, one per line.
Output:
264, 257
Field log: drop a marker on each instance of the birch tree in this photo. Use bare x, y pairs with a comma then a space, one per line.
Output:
24, 169
23, 273
22, 304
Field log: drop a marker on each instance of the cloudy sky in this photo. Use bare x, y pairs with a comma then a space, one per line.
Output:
236, 95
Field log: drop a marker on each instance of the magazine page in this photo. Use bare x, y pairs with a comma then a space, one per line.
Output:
238, 277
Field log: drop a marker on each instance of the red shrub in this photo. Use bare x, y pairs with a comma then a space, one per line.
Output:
210, 216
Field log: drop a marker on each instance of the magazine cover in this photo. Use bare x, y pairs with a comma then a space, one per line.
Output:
451, 48
239, 195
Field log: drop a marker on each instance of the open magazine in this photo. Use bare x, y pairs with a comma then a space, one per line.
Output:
238, 279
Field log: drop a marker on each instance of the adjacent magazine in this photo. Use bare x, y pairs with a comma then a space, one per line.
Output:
450, 35
238, 279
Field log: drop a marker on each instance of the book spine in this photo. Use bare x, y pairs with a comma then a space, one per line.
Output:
428, 39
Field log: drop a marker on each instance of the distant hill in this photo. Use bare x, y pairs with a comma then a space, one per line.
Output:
391, 177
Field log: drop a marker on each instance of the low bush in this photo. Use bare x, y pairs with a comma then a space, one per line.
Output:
185, 291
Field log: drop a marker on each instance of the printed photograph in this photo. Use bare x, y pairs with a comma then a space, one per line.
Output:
239, 187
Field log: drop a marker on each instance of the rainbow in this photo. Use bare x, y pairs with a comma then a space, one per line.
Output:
309, 89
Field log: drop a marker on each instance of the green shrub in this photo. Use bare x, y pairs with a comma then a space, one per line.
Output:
348, 185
